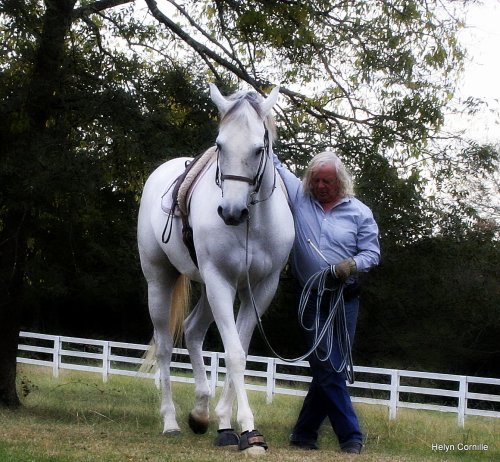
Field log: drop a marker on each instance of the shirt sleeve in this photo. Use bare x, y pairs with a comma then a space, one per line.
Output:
368, 255
292, 183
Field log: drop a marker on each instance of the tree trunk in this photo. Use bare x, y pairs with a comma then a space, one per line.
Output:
22, 149
12, 258
9, 339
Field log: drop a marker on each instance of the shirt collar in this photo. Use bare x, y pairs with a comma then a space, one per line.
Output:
341, 201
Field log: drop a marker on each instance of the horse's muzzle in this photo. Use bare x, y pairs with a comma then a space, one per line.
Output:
233, 218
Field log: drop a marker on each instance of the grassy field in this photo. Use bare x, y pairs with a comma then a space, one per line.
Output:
78, 418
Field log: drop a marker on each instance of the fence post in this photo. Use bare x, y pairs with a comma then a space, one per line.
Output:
56, 356
462, 400
270, 380
105, 360
157, 378
394, 398
214, 371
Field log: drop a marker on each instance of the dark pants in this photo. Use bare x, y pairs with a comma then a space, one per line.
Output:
328, 395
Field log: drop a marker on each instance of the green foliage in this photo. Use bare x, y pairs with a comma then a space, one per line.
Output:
436, 303
75, 184
397, 203
372, 79
369, 67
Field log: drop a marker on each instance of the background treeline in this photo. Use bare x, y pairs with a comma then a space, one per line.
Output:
85, 118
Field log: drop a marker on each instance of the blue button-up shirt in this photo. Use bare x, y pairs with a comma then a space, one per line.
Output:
347, 230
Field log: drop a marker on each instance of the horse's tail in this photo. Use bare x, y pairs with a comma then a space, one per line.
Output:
180, 305
178, 311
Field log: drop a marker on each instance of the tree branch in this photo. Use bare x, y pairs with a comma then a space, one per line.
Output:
206, 54
201, 49
98, 6
194, 24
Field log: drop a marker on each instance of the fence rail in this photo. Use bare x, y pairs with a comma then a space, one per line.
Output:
396, 389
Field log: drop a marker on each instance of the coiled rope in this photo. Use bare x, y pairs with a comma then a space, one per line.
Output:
336, 320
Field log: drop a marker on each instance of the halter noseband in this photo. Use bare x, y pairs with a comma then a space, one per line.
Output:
257, 179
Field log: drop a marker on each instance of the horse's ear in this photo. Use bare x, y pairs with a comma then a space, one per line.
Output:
270, 101
216, 96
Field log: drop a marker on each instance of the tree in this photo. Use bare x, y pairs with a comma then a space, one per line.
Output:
436, 303
78, 143
25, 123
366, 65
374, 79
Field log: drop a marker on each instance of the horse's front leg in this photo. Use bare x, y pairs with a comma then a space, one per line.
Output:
247, 320
195, 329
221, 298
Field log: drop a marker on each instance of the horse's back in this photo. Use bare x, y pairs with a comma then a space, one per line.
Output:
160, 179
152, 219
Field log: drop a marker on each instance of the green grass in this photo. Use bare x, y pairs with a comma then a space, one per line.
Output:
78, 418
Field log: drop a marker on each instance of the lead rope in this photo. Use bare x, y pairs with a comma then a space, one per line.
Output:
336, 319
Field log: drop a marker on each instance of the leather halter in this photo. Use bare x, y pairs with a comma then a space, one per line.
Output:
257, 179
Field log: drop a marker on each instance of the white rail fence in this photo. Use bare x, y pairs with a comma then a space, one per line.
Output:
396, 389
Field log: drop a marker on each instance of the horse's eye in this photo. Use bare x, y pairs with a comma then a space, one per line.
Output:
218, 147
259, 152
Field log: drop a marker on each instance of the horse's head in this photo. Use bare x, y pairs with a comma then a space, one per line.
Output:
243, 149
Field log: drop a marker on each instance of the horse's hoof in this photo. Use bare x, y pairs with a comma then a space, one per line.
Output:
172, 432
252, 443
227, 438
199, 426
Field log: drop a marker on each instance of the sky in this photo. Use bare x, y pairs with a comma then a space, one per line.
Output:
481, 78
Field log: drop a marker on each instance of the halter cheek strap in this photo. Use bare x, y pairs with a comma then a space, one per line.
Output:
257, 179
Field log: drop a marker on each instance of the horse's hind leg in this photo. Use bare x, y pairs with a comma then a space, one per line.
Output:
195, 329
160, 289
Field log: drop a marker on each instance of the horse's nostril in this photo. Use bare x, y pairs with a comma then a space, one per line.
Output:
244, 214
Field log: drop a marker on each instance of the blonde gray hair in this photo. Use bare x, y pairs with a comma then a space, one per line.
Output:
344, 178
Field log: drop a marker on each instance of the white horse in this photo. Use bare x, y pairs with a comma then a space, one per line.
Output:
243, 232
